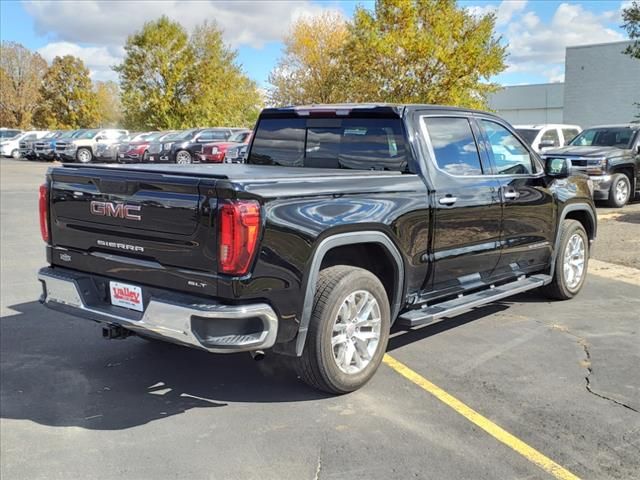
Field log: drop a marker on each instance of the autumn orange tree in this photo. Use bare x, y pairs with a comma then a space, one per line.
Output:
405, 51
108, 104
68, 99
311, 70
21, 73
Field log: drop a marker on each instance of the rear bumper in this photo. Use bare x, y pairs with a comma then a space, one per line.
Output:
175, 318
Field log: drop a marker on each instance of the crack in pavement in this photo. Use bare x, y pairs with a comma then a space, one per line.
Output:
318, 468
587, 364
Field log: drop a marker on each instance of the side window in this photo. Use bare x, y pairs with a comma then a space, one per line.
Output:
551, 135
509, 155
212, 135
205, 136
569, 134
454, 145
586, 138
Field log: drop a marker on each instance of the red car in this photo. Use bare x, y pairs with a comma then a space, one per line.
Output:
137, 149
216, 152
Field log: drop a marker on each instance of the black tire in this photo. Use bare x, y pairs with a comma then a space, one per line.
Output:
317, 365
15, 154
183, 157
145, 157
619, 180
559, 289
84, 155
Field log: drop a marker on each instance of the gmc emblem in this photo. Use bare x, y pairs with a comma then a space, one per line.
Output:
117, 210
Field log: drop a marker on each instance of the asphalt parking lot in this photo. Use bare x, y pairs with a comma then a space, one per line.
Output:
560, 378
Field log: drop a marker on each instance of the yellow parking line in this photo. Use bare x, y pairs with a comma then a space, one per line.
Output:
484, 423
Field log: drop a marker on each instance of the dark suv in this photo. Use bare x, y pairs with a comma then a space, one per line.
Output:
610, 155
190, 146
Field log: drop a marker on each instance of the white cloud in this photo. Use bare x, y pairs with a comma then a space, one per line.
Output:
554, 74
99, 60
251, 23
530, 41
507, 10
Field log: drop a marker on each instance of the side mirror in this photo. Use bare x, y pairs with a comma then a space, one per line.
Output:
557, 167
99, 138
638, 149
546, 144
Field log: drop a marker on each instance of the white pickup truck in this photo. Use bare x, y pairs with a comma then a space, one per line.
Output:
82, 148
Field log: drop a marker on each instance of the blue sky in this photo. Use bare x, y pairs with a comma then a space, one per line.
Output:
537, 31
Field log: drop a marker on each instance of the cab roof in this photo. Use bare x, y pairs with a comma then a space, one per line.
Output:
357, 109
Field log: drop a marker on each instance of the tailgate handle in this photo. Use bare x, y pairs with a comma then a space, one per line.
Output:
116, 186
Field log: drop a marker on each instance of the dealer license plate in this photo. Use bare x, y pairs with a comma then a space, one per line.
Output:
128, 296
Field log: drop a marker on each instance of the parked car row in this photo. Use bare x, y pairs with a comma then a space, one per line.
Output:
609, 154
197, 145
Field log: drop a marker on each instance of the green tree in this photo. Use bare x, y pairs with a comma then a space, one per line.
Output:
169, 80
108, 103
68, 100
156, 75
311, 70
422, 51
631, 18
21, 73
222, 93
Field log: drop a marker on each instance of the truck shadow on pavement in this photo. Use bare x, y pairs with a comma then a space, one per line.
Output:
57, 370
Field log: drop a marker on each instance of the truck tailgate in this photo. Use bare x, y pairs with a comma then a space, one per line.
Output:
108, 223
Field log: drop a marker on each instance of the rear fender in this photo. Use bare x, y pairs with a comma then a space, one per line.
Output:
350, 238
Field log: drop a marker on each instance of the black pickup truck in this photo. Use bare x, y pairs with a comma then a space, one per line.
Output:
345, 220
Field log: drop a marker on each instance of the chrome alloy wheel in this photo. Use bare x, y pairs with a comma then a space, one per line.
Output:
183, 157
574, 261
622, 191
356, 332
84, 156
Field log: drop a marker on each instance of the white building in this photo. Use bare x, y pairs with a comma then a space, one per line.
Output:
601, 86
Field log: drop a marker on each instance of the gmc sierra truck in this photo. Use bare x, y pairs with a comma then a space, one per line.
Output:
345, 220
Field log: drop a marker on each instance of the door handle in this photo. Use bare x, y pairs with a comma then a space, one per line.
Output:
449, 200
511, 194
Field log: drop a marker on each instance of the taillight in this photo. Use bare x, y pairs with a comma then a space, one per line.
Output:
239, 223
43, 207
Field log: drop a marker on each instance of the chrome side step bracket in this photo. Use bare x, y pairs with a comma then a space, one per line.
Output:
463, 303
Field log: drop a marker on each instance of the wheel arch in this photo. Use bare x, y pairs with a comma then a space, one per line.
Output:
584, 214
338, 241
629, 169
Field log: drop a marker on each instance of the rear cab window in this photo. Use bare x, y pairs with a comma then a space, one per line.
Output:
569, 134
551, 135
339, 143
